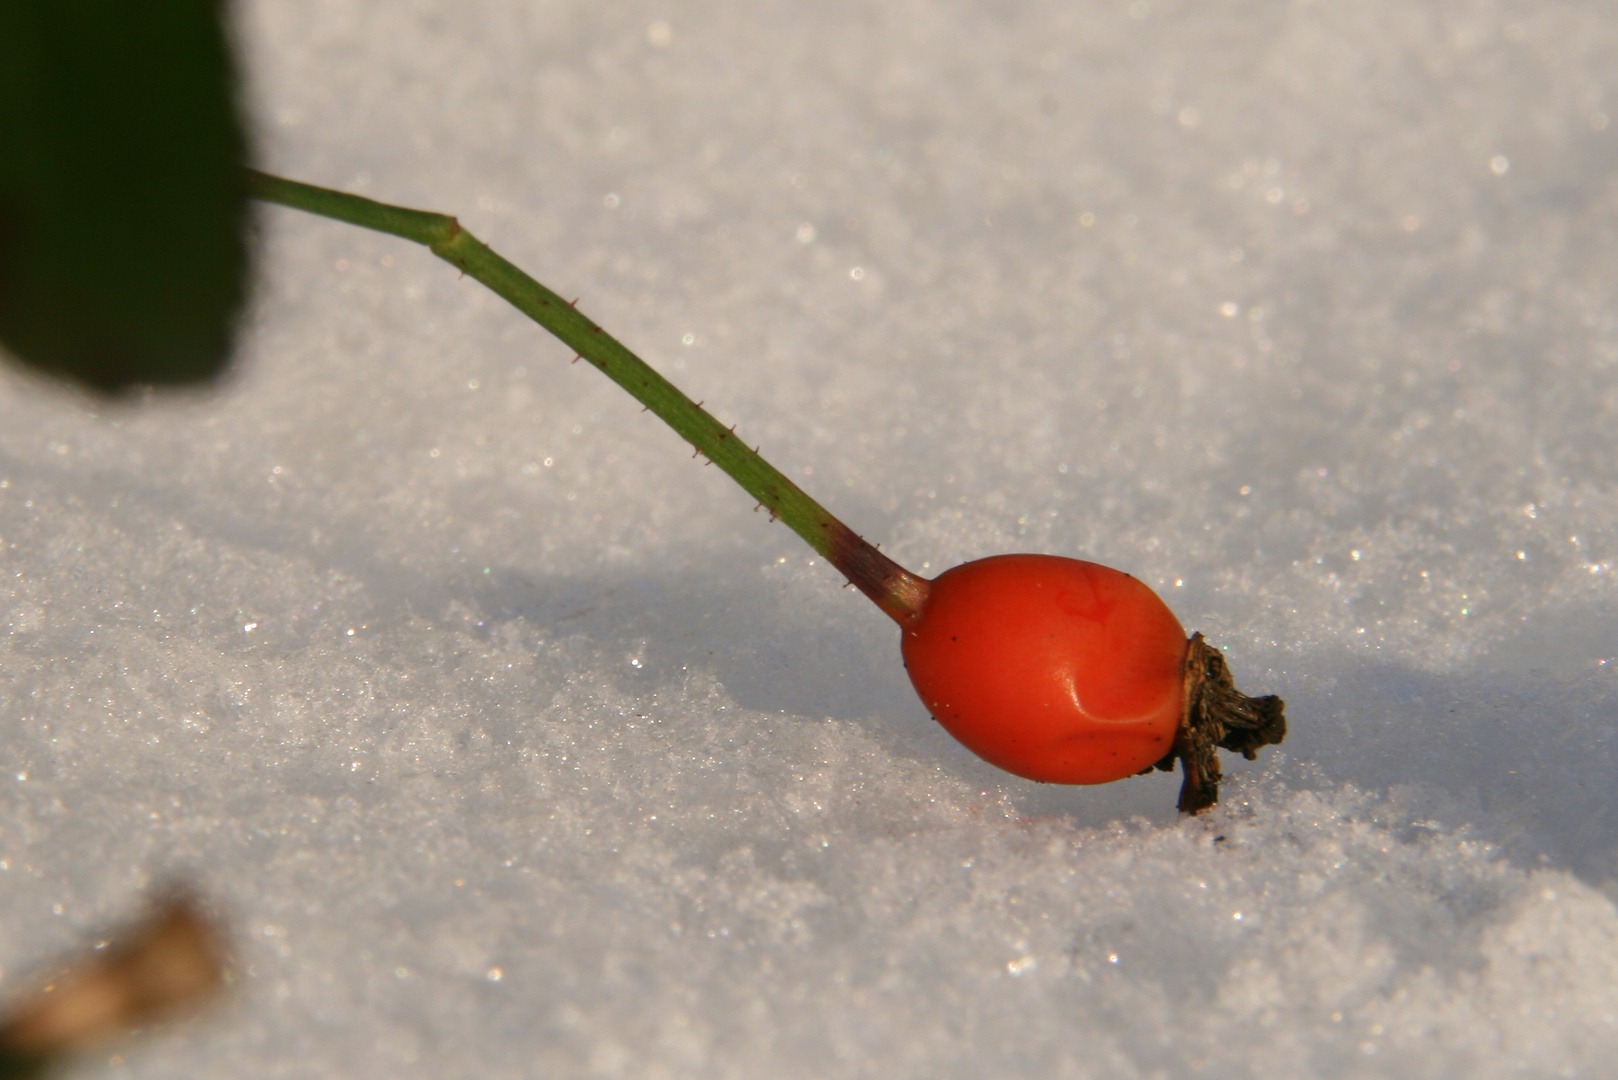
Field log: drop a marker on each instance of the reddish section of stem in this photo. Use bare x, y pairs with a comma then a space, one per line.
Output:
898, 592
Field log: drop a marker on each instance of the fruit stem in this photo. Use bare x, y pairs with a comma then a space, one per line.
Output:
895, 590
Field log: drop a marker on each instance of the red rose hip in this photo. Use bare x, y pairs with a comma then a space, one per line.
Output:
1054, 669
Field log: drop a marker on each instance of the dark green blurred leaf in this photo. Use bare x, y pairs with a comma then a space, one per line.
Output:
122, 257
14, 1066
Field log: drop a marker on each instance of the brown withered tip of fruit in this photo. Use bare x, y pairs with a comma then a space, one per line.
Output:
162, 968
1216, 714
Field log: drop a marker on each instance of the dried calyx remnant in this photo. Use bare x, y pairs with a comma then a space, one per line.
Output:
1217, 715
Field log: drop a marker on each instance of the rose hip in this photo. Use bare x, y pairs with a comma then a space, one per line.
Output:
1054, 669
1071, 672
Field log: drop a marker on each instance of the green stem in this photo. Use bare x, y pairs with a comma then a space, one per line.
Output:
894, 589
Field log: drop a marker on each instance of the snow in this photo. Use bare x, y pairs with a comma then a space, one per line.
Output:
513, 743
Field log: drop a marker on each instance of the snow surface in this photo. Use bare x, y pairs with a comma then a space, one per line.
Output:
515, 744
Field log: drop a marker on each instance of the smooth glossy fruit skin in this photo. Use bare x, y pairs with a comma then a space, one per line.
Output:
1054, 669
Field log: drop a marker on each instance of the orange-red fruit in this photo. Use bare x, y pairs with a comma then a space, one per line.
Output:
1055, 669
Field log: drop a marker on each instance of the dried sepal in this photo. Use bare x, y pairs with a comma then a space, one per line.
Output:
1217, 715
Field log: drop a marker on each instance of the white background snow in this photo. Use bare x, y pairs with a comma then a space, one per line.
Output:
515, 744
